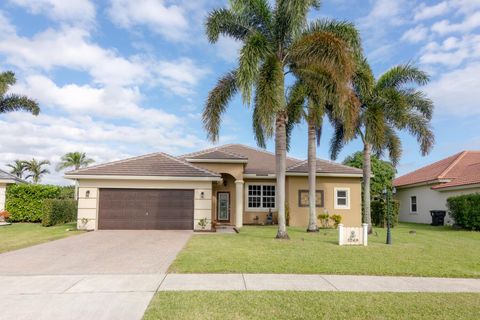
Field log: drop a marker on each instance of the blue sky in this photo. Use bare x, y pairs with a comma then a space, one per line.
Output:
121, 78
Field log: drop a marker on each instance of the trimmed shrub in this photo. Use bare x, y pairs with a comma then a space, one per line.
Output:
379, 212
337, 219
465, 210
58, 211
67, 192
24, 201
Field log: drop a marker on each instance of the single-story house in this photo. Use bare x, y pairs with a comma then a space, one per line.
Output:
428, 188
231, 184
6, 179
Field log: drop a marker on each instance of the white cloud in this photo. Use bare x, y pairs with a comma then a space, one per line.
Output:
415, 35
228, 49
452, 51
424, 11
456, 92
105, 102
384, 11
168, 20
71, 10
468, 24
73, 48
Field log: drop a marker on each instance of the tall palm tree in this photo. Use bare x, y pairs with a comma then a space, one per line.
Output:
14, 102
276, 41
390, 104
36, 170
17, 168
74, 160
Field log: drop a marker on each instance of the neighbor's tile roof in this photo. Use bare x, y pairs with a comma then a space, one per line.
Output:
156, 164
460, 169
324, 166
7, 176
262, 162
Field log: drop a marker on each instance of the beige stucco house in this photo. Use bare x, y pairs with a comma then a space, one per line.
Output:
6, 179
231, 185
428, 188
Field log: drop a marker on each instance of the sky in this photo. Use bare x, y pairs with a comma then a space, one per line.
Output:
120, 78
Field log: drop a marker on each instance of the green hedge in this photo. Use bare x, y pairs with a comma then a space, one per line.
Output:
379, 212
465, 210
58, 211
24, 201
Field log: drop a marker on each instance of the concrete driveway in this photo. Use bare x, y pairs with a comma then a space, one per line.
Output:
96, 275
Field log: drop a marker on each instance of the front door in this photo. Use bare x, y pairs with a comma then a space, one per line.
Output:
223, 206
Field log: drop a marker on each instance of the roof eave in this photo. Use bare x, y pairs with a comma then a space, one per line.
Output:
460, 187
327, 174
151, 178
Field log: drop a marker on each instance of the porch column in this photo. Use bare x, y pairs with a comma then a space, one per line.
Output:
239, 203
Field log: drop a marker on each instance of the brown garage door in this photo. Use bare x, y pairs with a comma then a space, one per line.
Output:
140, 209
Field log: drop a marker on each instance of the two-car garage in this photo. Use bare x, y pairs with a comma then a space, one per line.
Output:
145, 209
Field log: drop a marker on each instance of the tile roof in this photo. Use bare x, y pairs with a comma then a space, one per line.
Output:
262, 162
214, 154
8, 176
460, 169
324, 166
156, 164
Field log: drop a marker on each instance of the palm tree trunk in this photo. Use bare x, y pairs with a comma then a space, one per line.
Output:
312, 177
280, 168
367, 172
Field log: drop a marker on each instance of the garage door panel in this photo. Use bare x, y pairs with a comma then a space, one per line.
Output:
146, 209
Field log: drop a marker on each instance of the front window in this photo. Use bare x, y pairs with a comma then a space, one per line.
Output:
342, 198
413, 204
261, 196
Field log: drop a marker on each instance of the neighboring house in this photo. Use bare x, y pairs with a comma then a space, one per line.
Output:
6, 179
231, 184
428, 188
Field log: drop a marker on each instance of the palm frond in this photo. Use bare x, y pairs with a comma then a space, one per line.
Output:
255, 49
217, 102
225, 22
419, 101
291, 18
401, 75
7, 79
15, 102
258, 10
419, 127
393, 145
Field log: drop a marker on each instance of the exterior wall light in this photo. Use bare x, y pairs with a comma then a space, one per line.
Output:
87, 194
202, 195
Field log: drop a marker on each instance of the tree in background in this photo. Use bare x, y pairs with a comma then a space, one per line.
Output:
14, 102
36, 169
388, 105
17, 168
75, 160
383, 173
276, 41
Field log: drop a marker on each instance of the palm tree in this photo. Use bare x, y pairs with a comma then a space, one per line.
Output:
74, 160
277, 41
17, 168
14, 102
36, 170
388, 105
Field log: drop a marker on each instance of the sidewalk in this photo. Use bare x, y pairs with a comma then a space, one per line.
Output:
299, 282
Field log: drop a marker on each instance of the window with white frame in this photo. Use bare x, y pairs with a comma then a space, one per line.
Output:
260, 196
413, 204
342, 198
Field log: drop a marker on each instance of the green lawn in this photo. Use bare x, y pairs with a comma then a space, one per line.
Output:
432, 251
21, 235
312, 305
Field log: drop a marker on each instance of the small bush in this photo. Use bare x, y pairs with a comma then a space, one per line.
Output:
465, 210
324, 220
58, 211
379, 212
67, 192
24, 201
337, 219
